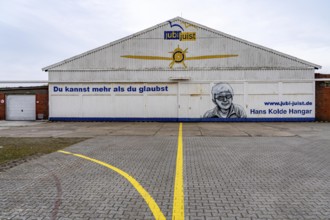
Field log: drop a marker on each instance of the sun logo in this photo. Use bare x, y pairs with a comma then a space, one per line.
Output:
179, 56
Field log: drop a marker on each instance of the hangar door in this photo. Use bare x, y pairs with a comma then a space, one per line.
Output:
113, 100
20, 107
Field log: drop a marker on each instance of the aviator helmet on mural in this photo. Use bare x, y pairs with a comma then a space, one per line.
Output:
221, 89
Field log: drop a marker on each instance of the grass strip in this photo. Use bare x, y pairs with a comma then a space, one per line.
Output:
18, 148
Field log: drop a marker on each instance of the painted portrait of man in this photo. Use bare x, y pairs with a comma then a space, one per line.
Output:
222, 97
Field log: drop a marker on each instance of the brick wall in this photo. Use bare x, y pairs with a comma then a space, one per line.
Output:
41, 106
322, 98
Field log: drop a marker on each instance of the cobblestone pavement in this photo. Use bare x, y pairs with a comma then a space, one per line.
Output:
257, 178
272, 171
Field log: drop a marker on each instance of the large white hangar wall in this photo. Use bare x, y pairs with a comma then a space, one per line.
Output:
271, 100
147, 77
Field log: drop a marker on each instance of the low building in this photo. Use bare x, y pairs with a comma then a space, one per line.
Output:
322, 101
182, 71
24, 103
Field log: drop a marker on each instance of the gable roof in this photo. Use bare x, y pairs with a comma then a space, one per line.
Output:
292, 58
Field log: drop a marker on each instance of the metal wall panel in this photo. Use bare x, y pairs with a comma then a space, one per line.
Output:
193, 99
161, 106
165, 76
263, 88
97, 105
132, 106
65, 106
208, 42
297, 88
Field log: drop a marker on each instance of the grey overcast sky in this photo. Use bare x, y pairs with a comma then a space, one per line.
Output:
38, 33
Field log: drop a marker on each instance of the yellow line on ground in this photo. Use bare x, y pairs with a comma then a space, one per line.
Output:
178, 200
149, 200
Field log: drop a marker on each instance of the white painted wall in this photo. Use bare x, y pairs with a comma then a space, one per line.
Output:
181, 100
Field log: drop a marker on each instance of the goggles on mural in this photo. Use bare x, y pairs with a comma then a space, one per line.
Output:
223, 97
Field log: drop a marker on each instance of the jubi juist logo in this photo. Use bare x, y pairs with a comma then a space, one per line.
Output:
179, 35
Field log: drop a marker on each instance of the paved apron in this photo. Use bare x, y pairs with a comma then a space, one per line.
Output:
238, 176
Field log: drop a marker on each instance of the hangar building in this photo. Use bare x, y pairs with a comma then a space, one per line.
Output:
182, 71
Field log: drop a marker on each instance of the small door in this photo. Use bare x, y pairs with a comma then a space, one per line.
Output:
20, 107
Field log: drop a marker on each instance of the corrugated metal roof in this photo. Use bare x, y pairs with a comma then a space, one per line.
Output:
192, 23
8, 89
